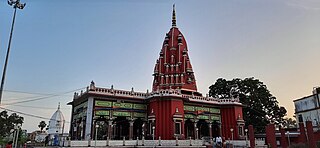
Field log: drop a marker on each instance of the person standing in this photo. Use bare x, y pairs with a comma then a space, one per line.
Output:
219, 141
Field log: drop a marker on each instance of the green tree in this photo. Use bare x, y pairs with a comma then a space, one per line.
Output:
290, 123
260, 106
7, 123
42, 125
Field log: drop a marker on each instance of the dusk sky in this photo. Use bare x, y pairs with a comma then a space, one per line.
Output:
60, 46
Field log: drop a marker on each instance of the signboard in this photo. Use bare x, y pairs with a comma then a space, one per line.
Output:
103, 103
121, 114
139, 106
189, 108
214, 110
122, 105
82, 105
215, 117
135, 114
203, 117
202, 108
102, 113
188, 116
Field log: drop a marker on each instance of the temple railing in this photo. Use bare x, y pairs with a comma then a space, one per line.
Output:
111, 91
167, 92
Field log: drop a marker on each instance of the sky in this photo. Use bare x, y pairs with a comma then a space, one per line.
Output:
59, 47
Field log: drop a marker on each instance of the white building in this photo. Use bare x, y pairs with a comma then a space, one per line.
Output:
56, 123
307, 108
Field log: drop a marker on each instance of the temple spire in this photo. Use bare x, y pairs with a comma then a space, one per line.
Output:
59, 106
174, 24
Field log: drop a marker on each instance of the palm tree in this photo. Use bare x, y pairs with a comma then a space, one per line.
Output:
42, 125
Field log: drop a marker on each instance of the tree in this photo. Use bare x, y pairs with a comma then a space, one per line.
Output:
290, 123
260, 106
7, 123
42, 125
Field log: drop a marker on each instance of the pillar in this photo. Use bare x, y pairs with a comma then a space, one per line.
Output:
131, 129
302, 136
110, 135
210, 129
251, 136
283, 141
312, 142
271, 136
195, 129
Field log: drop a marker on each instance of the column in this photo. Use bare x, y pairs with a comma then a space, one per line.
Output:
251, 136
131, 129
312, 141
302, 136
271, 136
195, 129
210, 128
110, 134
283, 141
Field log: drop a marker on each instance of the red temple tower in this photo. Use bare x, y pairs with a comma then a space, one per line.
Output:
173, 69
175, 84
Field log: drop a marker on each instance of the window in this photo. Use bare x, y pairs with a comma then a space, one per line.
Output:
240, 131
178, 128
300, 118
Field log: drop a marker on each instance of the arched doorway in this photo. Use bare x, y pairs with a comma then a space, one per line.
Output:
121, 128
102, 130
215, 129
137, 128
203, 128
189, 128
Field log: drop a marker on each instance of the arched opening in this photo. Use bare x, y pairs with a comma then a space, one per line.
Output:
137, 128
121, 128
215, 129
102, 130
203, 128
189, 129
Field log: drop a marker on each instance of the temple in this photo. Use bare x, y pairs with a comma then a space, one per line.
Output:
173, 109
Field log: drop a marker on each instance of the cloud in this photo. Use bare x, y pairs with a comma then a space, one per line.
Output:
306, 5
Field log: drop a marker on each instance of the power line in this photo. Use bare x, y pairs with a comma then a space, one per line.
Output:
37, 107
27, 114
41, 98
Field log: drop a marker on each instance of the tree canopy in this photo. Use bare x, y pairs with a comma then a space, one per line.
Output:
7, 122
42, 125
260, 106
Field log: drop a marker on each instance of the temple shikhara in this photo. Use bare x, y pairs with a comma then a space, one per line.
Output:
173, 109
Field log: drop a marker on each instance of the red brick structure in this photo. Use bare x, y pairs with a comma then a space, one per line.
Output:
270, 136
311, 139
283, 140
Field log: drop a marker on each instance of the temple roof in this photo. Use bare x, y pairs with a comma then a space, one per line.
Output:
56, 122
173, 68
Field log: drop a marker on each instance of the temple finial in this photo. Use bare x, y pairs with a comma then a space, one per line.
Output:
59, 106
174, 21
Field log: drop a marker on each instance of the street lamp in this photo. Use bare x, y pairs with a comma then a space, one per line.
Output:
142, 130
231, 130
16, 136
96, 136
153, 128
288, 133
16, 4
197, 133
246, 131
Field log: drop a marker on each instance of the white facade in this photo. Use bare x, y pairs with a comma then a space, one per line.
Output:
56, 123
307, 109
